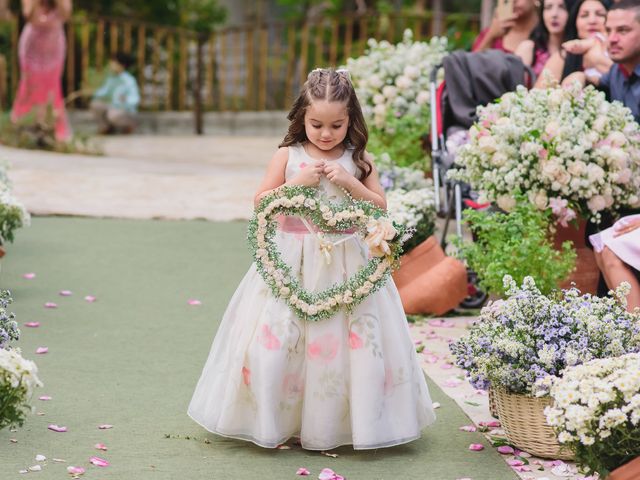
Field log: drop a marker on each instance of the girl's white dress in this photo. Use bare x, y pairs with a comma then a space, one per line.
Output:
352, 379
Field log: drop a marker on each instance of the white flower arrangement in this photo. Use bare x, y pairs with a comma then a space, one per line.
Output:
382, 236
596, 411
18, 379
395, 78
13, 214
568, 149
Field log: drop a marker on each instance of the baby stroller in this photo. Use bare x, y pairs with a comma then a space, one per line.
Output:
471, 79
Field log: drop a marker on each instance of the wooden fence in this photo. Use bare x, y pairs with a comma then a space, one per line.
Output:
253, 67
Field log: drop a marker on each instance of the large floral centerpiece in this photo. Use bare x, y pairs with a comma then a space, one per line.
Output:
18, 376
596, 411
323, 218
567, 149
528, 336
392, 84
410, 199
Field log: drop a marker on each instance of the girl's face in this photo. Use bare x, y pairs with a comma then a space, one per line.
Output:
554, 16
591, 18
326, 123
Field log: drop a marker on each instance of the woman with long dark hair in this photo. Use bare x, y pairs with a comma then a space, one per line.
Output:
41, 53
546, 39
584, 27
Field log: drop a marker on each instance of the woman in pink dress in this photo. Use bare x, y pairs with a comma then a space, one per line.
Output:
41, 52
617, 251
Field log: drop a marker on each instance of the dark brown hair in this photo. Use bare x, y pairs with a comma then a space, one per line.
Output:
333, 86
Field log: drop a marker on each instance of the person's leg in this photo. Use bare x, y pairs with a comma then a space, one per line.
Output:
122, 120
615, 272
99, 110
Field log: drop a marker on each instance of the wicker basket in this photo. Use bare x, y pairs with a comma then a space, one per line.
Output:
493, 406
525, 425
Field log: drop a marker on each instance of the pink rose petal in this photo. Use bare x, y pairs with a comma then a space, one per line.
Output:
105, 426
90, 298
75, 470
476, 447
452, 383
42, 350
303, 472
65, 293
522, 468
514, 462
491, 424
439, 322
44, 398
468, 428
303, 164
29, 276
101, 446
99, 462
50, 305
32, 324
57, 428
505, 450
431, 358
194, 302
446, 366
327, 474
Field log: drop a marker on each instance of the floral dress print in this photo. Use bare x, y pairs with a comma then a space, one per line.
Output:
352, 379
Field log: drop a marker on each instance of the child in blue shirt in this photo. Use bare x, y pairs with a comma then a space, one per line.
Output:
115, 103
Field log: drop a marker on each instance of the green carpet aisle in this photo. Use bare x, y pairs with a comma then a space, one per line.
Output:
131, 359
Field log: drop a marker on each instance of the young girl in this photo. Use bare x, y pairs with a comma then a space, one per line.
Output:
352, 379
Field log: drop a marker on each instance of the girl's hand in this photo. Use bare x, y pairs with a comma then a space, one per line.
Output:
309, 175
337, 175
625, 225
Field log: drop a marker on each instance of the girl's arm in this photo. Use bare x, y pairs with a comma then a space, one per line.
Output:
64, 9
27, 9
274, 178
368, 189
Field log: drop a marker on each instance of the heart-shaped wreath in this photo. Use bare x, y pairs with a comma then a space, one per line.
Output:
363, 218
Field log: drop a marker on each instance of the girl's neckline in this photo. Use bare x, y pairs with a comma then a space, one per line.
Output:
326, 159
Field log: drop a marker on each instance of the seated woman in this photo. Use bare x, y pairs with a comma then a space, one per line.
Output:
547, 37
617, 251
506, 34
586, 34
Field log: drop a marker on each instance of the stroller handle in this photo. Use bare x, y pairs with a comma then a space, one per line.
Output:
434, 73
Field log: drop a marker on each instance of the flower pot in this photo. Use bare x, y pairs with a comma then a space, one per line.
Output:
430, 282
525, 425
628, 471
586, 273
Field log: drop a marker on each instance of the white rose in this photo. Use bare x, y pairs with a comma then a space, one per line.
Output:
487, 144
617, 139
596, 203
412, 71
618, 157
378, 98
403, 83
577, 168
539, 199
623, 176
380, 109
423, 97
499, 159
506, 202
390, 91
600, 123
595, 172
552, 128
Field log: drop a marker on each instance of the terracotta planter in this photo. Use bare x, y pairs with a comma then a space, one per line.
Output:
430, 282
586, 273
628, 471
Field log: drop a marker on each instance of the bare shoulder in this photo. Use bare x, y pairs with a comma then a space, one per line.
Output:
281, 155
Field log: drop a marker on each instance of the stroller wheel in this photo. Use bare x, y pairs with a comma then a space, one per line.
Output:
476, 298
